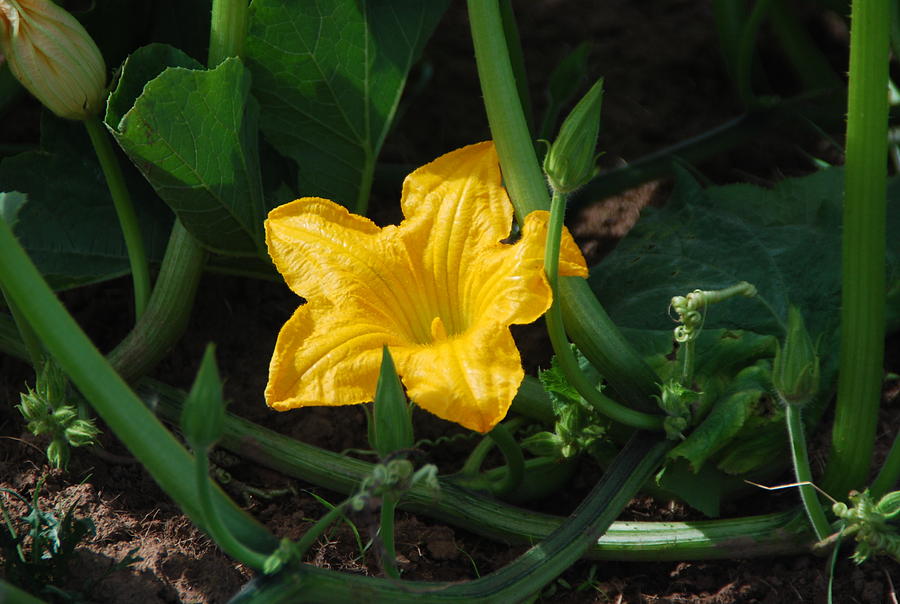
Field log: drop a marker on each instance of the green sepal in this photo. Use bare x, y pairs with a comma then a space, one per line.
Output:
203, 415
795, 370
393, 424
571, 161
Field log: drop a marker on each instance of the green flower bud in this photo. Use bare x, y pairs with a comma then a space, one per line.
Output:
203, 414
795, 370
571, 162
391, 425
52, 55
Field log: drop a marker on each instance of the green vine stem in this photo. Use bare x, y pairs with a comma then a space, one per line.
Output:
389, 560
564, 354
515, 461
515, 582
586, 321
227, 31
128, 221
169, 308
125, 414
213, 523
772, 534
863, 252
814, 511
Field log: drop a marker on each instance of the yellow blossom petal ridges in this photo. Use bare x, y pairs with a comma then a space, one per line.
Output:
440, 290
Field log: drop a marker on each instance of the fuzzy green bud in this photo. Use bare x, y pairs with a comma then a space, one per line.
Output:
795, 370
203, 414
53, 56
392, 426
571, 162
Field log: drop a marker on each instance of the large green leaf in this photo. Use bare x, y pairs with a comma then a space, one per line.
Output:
328, 75
785, 241
68, 223
193, 133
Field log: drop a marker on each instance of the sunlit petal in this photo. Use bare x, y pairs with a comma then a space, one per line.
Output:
321, 358
470, 379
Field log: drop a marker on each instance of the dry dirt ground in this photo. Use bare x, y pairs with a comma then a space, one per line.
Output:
664, 82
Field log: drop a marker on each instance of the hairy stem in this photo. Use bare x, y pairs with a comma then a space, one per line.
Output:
863, 251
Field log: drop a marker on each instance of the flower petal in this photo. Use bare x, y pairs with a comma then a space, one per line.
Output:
325, 356
507, 284
455, 207
325, 252
571, 260
470, 379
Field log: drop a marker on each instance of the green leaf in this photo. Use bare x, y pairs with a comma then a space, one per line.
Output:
393, 425
728, 416
565, 80
68, 225
328, 76
701, 490
784, 240
10, 204
193, 134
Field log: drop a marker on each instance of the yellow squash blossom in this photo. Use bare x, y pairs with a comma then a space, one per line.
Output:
440, 290
53, 56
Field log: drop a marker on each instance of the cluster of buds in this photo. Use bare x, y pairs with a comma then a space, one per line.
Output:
53, 56
47, 412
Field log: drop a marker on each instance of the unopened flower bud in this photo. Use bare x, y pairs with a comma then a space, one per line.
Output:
795, 371
571, 162
53, 56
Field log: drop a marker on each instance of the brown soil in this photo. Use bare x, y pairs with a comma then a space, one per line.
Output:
664, 82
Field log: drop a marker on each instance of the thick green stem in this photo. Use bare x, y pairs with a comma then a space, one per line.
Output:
773, 534
565, 357
863, 260
125, 414
227, 31
169, 309
131, 230
587, 323
811, 504
213, 521
516, 581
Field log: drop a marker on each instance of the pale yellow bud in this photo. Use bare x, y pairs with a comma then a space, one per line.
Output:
52, 55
